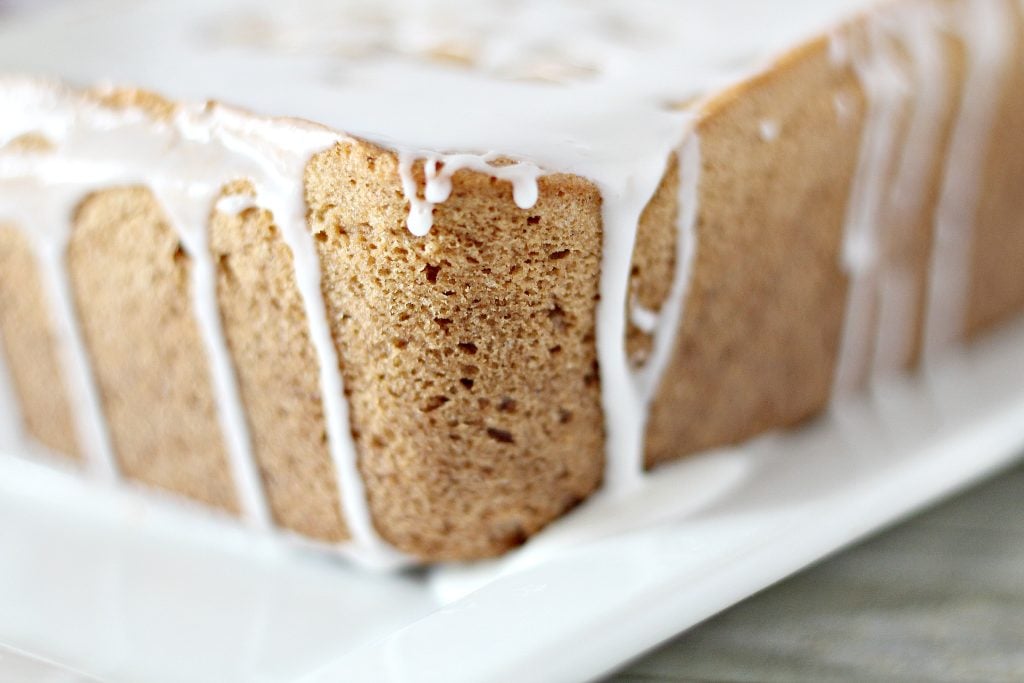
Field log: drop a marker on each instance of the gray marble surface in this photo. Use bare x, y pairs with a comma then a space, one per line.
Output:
938, 598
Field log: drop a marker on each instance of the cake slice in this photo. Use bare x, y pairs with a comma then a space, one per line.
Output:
499, 258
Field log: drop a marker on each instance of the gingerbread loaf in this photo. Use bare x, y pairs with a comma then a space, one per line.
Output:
525, 272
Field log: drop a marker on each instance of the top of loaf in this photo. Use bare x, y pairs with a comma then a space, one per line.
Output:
574, 86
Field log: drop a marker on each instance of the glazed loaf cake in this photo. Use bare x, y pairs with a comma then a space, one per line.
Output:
534, 266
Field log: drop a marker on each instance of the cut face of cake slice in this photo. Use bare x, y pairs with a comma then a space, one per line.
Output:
413, 280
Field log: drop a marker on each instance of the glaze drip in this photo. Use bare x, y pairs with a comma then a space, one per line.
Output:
438, 171
987, 31
898, 57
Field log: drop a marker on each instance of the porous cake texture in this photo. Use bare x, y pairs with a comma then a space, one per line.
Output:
470, 358
410, 352
29, 348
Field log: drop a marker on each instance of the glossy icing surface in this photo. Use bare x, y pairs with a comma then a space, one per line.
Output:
572, 85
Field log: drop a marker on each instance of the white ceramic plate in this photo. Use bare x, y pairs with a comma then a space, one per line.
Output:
120, 589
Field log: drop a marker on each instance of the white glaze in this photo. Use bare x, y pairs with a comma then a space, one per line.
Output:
987, 30
438, 171
235, 204
623, 419
360, 67
647, 379
874, 60
768, 130
844, 108
363, 69
883, 296
187, 206
644, 319
898, 288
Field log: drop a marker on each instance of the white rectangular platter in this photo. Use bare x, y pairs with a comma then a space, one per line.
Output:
117, 588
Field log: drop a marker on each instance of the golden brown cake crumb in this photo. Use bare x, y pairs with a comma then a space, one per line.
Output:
133, 294
33, 143
26, 338
266, 330
156, 106
468, 355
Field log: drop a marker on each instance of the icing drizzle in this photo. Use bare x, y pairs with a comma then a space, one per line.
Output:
898, 295
878, 328
438, 170
987, 29
877, 67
